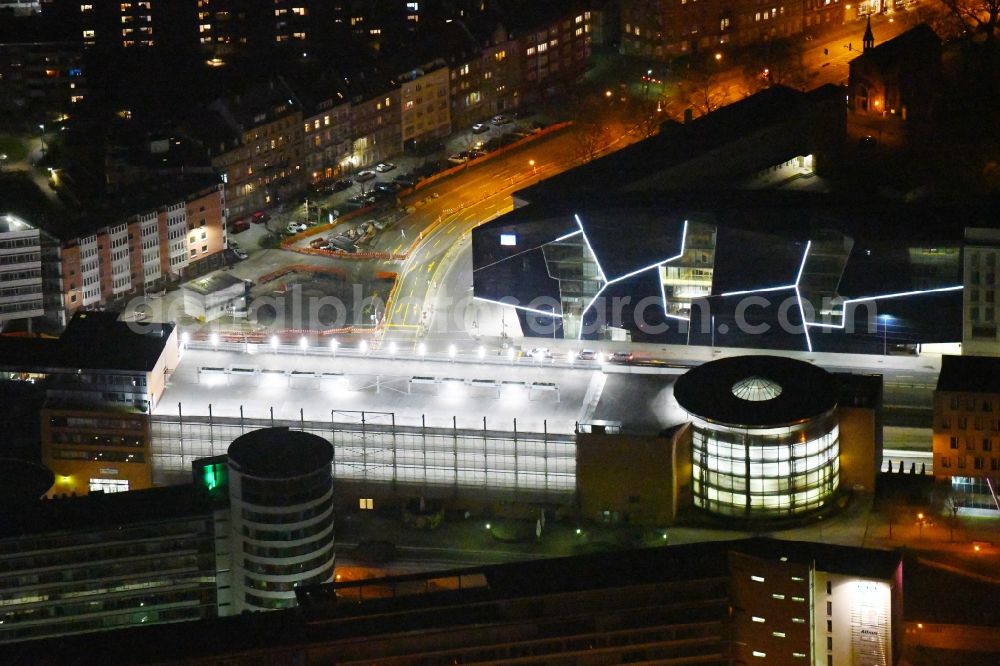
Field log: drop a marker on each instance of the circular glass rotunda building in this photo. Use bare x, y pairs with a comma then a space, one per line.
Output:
765, 439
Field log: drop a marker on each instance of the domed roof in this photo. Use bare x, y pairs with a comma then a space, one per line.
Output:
756, 391
756, 388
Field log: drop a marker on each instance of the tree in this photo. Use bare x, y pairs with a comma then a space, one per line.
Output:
977, 15
775, 62
643, 116
590, 131
702, 86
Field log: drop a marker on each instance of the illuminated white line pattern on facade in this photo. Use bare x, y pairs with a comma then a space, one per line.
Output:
608, 282
519, 307
794, 285
798, 296
881, 297
569, 235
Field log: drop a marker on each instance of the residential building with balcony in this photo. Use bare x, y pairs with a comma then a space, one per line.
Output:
179, 237
101, 562
41, 78
27, 258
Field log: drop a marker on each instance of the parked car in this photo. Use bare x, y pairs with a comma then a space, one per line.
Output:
459, 158
404, 180
317, 243
479, 128
238, 226
501, 119
340, 185
364, 176
540, 353
342, 244
381, 224
587, 355
384, 167
295, 227
387, 187
260, 217
622, 357
239, 252
475, 154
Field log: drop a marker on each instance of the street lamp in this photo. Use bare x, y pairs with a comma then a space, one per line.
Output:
274, 343
333, 345
363, 347
304, 344
422, 350
392, 348
884, 318
451, 351
531, 163
481, 352
215, 340
185, 339
42, 137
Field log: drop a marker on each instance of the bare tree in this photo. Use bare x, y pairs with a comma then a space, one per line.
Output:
590, 131
643, 116
977, 15
702, 86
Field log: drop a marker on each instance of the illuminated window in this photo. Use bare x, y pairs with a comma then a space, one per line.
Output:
757, 618
366, 504
757, 579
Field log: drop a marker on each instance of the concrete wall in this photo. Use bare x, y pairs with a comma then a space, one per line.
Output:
636, 479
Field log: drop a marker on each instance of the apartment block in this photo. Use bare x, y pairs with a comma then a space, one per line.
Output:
424, 104
553, 52
41, 77
256, 144
177, 240
981, 259
665, 29
967, 430
103, 562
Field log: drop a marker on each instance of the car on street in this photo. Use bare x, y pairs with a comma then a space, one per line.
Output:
459, 158
479, 128
317, 243
340, 185
295, 227
501, 119
622, 357
475, 154
404, 180
359, 201
260, 217
364, 176
384, 167
587, 355
540, 353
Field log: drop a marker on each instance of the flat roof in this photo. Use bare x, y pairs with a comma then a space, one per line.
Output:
101, 511
323, 620
756, 391
91, 341
279, 453
212, 283
972, 374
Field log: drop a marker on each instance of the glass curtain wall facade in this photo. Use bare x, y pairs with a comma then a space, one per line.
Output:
765, 472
